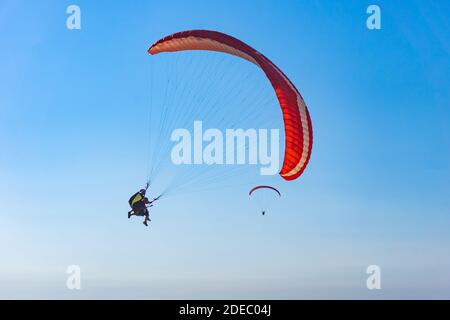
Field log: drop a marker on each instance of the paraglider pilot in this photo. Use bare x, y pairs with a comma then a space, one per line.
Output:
140, 204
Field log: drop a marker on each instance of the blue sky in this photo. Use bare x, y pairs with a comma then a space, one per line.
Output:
73, 106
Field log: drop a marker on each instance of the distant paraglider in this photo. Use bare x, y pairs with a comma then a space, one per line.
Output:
263, 211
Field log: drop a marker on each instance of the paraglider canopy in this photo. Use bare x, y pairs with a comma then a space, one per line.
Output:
297, 121
263, 187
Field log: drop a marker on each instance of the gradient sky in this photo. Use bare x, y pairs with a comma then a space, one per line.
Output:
375, 192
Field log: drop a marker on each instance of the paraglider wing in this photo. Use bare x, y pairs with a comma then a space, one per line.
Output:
263, 187
297, 122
